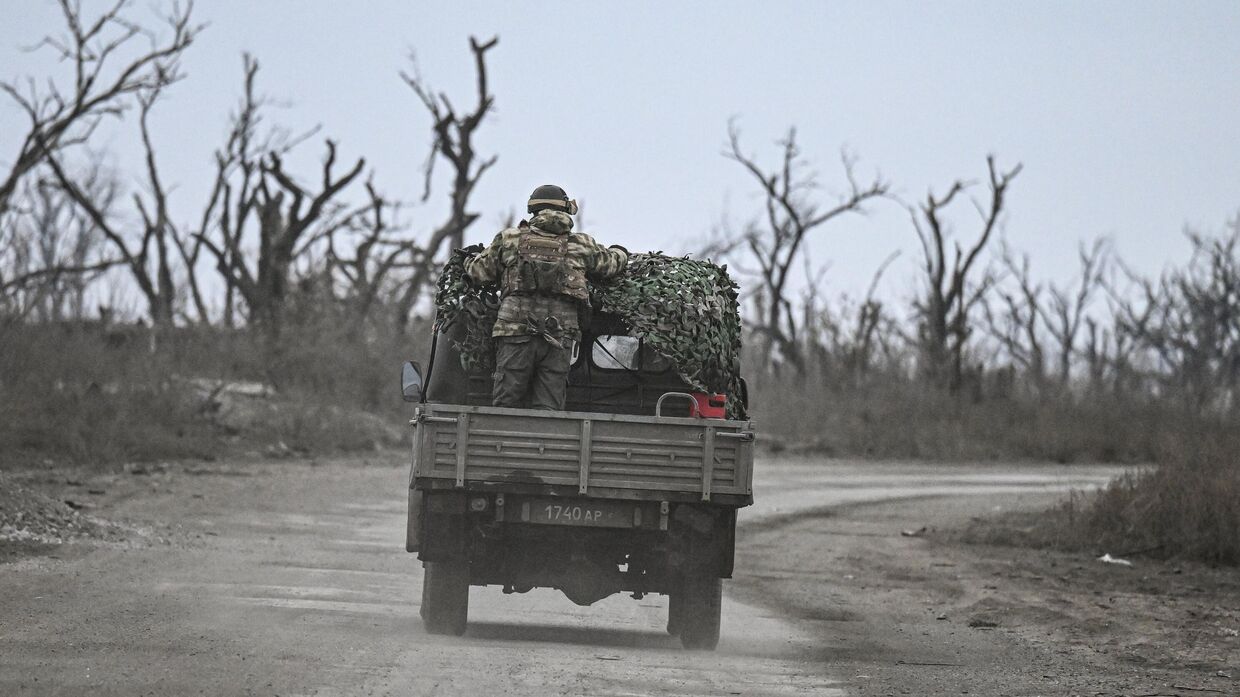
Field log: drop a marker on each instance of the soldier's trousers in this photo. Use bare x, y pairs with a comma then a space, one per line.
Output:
529, 372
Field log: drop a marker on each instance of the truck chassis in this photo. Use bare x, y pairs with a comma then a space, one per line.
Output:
587, 503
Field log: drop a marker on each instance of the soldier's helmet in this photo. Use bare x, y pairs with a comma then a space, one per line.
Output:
550, 196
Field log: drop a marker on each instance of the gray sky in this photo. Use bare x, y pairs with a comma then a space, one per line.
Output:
1126, 115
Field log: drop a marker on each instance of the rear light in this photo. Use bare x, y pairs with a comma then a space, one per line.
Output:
711, 406
478, 504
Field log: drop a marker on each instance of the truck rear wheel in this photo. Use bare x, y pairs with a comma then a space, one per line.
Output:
445, 597
698, 613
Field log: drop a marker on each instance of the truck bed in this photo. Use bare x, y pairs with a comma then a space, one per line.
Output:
570, 453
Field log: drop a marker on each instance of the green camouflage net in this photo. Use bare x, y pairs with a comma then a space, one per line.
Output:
686, 309
478, 307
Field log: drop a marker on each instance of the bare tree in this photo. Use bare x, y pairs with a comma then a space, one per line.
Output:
379, 254
62, 116
1189, 320
237, 170
1066, 310
254, 203
50, 251
1016, 324
452, 139
1117, 349
149, 260
284, 213
1109, 353
853, 334
950, 293
791, 214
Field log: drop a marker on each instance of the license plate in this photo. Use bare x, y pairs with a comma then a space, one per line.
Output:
599, 514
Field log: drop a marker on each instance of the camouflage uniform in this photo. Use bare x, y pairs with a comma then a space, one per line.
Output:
537, 320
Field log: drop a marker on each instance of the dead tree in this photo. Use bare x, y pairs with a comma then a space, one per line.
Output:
107, 69
150, 260
255, 204
791, 213
230, 206
284, 213
50, 251
1015, 325
1065, 313
820, 330
1109, 352
854, 333
950, 293
1117, 349
1191, 323
452, 139
379, 254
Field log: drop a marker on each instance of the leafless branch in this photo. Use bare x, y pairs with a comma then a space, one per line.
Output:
950, 291
62, 116
791, 213
452, 140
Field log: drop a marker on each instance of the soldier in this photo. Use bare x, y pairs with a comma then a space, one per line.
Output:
541, 267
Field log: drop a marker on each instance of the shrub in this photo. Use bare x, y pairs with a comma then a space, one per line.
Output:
891, 417
85, 393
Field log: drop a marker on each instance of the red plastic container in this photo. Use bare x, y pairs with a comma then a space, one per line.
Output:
711, 406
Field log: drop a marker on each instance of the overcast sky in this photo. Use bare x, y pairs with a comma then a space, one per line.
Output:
1126, 115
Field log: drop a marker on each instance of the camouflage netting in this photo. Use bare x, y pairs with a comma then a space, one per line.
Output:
455, 298
684, 308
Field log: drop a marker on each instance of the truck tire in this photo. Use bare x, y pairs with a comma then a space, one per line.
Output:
445, 597
699, 614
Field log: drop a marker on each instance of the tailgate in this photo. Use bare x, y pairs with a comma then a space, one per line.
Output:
590, 451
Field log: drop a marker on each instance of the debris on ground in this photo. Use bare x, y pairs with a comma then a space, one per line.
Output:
29, 517
1108, 559
915, 533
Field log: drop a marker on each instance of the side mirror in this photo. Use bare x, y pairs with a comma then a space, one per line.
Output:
411, 381
744, 395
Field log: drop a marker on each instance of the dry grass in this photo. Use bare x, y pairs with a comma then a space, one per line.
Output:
1186, 507
1183, 501
87, 396
75, 394
894, 418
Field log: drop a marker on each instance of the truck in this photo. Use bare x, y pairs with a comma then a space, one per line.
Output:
633, 488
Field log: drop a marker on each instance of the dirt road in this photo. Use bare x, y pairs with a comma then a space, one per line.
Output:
290, 578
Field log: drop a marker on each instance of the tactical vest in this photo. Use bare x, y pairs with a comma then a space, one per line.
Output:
542, 268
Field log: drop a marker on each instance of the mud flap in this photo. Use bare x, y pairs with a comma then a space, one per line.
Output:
707, 537
413, 524
442, 536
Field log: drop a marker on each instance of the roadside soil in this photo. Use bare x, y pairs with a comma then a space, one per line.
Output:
39, 516
905, 608
895, 602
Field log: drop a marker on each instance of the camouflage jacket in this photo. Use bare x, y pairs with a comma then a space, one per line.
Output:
526, 314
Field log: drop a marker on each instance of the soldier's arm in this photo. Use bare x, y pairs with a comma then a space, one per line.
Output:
484, 268
604, 262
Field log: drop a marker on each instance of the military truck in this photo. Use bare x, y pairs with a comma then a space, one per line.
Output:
633, 488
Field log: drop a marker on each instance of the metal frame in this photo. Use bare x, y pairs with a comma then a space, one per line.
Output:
656, 456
